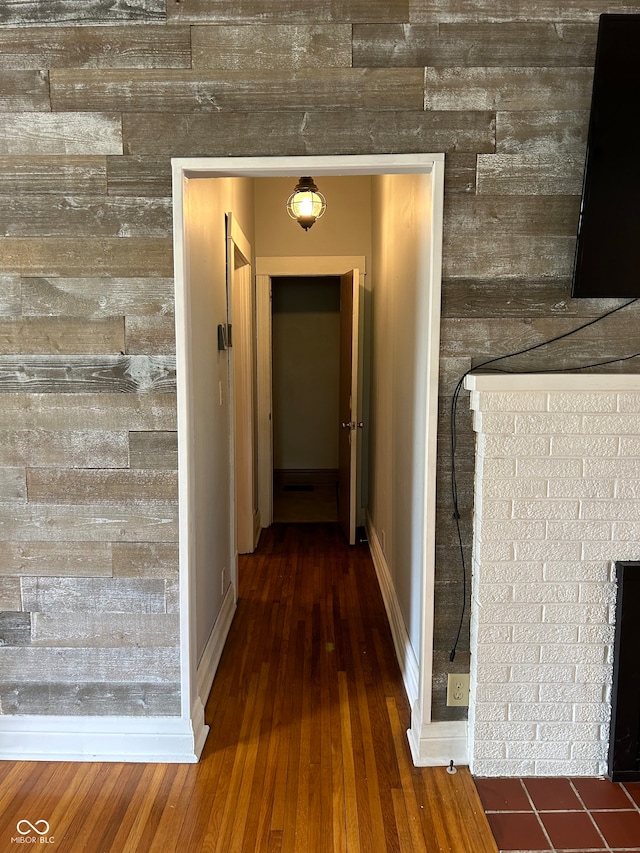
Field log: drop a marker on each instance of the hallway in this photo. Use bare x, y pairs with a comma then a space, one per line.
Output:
307, 750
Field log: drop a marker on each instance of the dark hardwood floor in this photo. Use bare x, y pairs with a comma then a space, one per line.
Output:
307, 750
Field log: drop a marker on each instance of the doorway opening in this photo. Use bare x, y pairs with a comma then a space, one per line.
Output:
407, 240
305, 362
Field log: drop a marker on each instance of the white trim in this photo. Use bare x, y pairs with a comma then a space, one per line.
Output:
526, 382
405, 654
379, 164
147, 739
266, 267
215, 644
437, 744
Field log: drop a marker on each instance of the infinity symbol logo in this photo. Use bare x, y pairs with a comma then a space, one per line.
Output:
32, 827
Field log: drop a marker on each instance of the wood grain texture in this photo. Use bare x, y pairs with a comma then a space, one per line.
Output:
22, 12
516, 215
82, 698
530, 174
288, 11
102, 411
68, 256
261, 47
23, 91
151, 335
77, 447
96, 523
92, 595
56, 559
9, 594
99, 630
84, 215
142, 177
508, 88
549, 132
45, 134
51, 666
73, 486
58, 335
96, 297
12, 485
188, 91
153, 450
145, 559
95, 47
424, 11
15, 628
464, 45
39, 174
307, 748
87, 374
309, 132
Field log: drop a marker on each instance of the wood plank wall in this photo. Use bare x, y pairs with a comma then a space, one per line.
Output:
96, 96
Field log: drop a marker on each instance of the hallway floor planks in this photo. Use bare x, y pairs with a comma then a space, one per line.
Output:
307, 749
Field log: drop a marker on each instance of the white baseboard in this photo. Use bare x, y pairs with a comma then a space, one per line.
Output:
404, 651
210, 659
438, 744
147, 739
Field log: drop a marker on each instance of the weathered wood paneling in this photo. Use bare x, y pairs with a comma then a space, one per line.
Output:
15, 628
153, 450
68, 133
190, 91
530, 215
145, 559
309, 132
22, 91
529, 174
100, 523
98, 630
89, 697
10, 296
561, 133
159, 666
153, 335
67, 256
92, 595
508, 88
87, 374
260, 47
55, 559
508, 256
72, 448
52, 174
12, 486
97, 297
513, 10
139, 176
83, 215
95, 47
19, 13
68, 486
460, 173
482, 43
9, 594
288, 11
57, 335
102, 411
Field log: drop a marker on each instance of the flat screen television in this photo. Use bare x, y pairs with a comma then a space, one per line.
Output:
607, 259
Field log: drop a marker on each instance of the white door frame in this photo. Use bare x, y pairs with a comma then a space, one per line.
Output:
431, 743
266, 269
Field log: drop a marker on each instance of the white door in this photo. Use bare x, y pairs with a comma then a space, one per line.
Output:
348, 411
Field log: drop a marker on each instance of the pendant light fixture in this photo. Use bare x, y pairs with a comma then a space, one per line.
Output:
306, 203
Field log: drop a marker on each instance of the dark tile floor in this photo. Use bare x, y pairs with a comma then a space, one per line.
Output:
576, 815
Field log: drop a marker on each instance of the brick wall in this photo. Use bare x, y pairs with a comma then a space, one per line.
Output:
557, 502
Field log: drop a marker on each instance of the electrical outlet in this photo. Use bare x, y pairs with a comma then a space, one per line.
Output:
458, 689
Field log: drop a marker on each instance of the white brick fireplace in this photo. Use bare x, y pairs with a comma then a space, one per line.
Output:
557, 502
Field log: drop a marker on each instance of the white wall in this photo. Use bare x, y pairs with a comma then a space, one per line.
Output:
401, 245
206, 202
